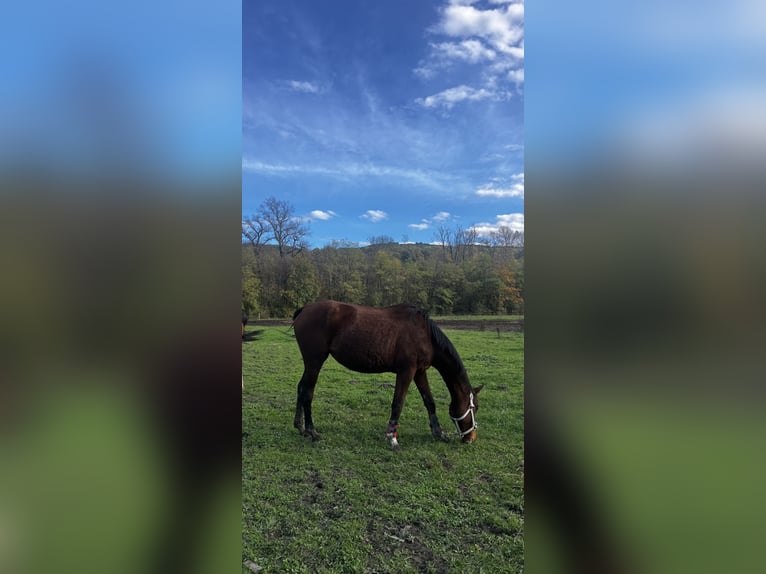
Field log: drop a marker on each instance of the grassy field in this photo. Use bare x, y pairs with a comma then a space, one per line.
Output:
348, 503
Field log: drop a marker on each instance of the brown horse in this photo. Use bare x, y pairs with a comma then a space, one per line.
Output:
399, 339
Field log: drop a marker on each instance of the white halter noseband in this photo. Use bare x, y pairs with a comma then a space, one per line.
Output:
474, 424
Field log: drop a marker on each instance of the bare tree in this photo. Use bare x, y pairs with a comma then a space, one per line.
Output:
284, 228
464, 239
506, 237
444, 235
380, 239
254, 230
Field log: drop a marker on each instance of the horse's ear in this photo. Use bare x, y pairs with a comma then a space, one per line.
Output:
477, 389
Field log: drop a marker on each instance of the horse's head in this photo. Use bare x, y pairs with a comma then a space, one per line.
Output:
466, 423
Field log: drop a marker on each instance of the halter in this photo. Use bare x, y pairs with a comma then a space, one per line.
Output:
474, 424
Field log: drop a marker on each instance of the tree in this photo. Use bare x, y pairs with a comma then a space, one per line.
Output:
380, 239
302, 285
254, 230
251, 287
287, 230
464, 239
506, 237
511, 297
444, 235
483, 280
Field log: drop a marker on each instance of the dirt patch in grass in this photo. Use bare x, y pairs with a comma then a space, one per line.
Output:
392, 541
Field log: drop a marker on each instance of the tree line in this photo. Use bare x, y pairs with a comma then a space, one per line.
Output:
459, 274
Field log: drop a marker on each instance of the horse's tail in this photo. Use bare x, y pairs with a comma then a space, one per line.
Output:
297, 312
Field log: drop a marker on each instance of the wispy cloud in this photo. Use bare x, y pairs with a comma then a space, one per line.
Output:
513, 221
323, 215
516, 76
445, 54
498, 188
305, 87
449, 97
423, 178
255, 166
441, 216
374, 215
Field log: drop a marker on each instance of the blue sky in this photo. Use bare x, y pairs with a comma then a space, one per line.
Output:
385, 118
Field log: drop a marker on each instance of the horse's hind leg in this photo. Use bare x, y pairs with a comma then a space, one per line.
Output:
421, 380
303, 403
298, 421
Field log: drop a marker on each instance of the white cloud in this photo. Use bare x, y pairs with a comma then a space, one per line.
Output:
502, 28
426, 223
469, 50
449, 97
514, 221
305, 87
490, 37
374, 215
323, 215
515, 188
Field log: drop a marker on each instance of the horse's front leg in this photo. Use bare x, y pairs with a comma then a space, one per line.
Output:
421, 380
403, 380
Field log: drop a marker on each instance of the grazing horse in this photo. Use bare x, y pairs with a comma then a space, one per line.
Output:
399, 339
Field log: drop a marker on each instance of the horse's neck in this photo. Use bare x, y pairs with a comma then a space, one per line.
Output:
457, 384
454, 375
446, 365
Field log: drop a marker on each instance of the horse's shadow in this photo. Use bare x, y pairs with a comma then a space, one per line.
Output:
252, 335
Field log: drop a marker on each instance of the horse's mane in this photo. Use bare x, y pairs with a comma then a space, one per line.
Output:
439, 340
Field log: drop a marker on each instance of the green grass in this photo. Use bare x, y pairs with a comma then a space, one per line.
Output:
348, 503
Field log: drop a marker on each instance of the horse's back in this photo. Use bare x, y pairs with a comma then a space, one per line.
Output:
322, 315
365, 339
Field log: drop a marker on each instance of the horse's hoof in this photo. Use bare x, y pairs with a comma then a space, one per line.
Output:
394, 443
313, 434
441, 435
